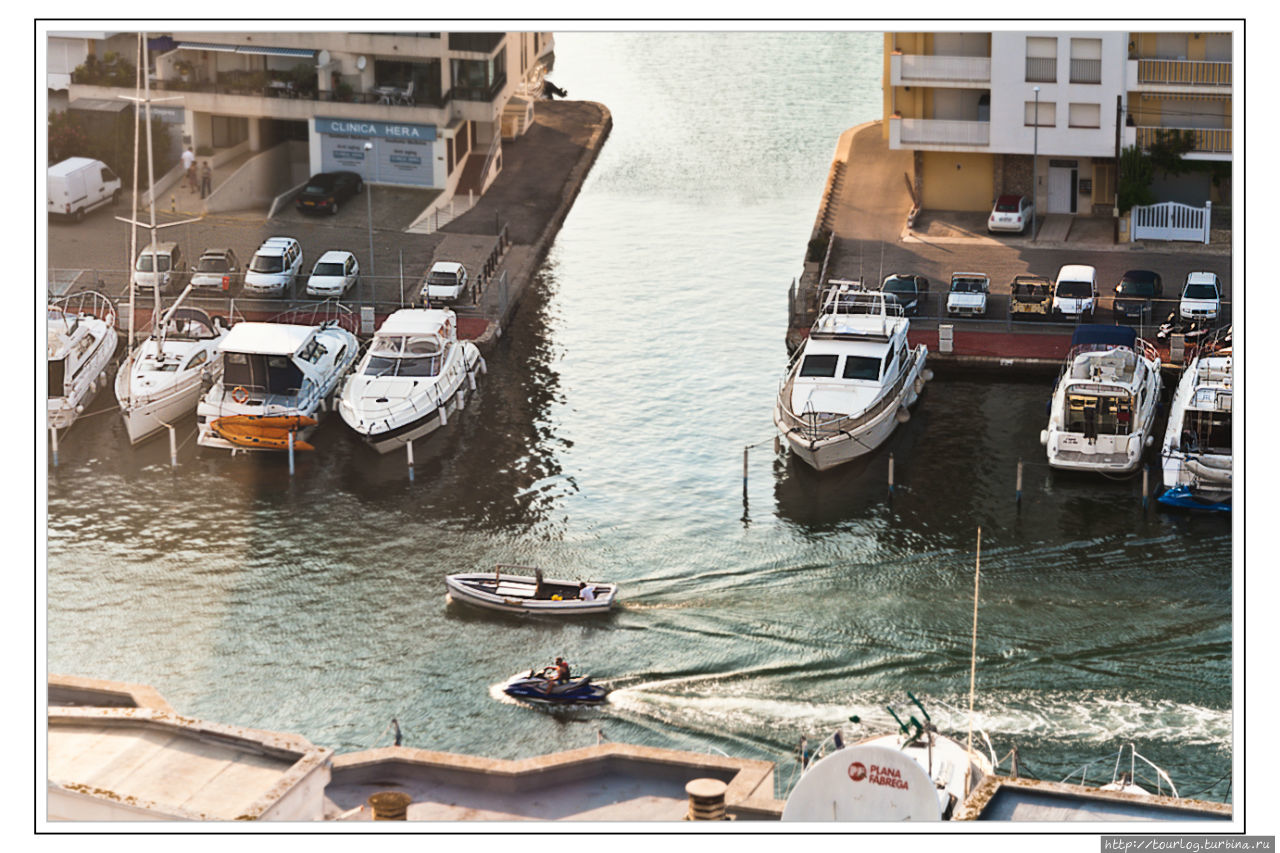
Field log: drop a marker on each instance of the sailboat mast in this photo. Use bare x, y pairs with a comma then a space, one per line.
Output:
133, 226
151, 182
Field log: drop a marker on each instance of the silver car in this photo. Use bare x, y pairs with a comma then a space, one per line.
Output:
217, 269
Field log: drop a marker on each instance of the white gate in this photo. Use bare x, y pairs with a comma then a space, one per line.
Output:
1170, 221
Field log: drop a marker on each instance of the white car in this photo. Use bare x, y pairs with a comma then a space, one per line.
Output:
446, 281
274, 268
1010, 213
968, 294
334, 274
1201, 297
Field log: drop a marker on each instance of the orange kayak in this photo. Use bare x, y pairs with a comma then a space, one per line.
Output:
271, 421
257, 434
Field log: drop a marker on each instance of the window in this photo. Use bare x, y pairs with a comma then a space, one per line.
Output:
1048, 110
1042, 60
57, 370
198, 359
1084, 115
1086, 60
821, 366
861, 367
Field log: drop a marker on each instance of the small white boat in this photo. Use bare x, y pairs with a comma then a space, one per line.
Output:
1126, 780
1104, 404
1196, 454
415, 374
277, 379
163, 378
503, 589
852, 382
82, 341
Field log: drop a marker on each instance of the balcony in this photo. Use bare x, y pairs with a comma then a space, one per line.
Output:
921, 132
1179, 75
1208, 140
916, 70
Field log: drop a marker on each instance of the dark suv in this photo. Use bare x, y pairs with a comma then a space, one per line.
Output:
324, 191
908, 290
1134, 295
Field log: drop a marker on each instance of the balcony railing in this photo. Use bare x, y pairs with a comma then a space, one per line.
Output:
966, 69
1042, 70
1208, 140
480, 93
1182, 72
255, 86
1086, 71
945, 132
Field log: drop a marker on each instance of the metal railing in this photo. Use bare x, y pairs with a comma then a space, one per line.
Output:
1205, 140
945, 132
813, 429
1042, 69
975, 69
1184, 72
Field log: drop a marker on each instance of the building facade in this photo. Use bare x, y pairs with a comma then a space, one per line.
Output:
981, 110
415, 109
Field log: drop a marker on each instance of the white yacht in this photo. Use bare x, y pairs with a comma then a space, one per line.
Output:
852, 381
277, 378
415, 374
163, 378
1196, 454
82, 341
1104, 404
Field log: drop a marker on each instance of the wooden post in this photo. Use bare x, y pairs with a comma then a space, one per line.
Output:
173, 448
291, 432
408, 450
890, 475
53, 434
1018, 488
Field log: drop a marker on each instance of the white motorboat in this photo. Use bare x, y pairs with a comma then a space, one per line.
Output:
82, 341
163, 378
414, 375
852, 381
512, 590
1104, 404
1196, 454
913, 774
277, 379
1127, 780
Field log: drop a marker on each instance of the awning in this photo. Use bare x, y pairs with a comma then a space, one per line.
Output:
252, 49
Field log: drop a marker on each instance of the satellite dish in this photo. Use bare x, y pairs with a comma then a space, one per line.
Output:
322, 58
864, 783
361, 62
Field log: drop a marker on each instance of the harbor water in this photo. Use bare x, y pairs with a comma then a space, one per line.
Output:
606, 442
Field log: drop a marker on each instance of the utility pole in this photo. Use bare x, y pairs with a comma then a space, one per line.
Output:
1115, 210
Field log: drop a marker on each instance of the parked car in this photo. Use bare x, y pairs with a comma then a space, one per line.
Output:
78, 185
1075, 291
909, 291
446, 281
325, 191
1030, 296
217, 268
1010, 213
1134, 294
274, 267
968, 294
334, 274
1201, 297
160, 264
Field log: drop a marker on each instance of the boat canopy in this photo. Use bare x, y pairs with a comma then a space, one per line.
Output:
1096, 333
267, 338
419, 321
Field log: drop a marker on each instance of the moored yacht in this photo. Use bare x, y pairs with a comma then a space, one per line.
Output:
1196, 454
1104, 404
163, 378
82, 340
277, 378
852, 381
415, 374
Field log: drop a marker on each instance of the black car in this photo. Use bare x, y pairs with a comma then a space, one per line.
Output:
325, 191
908, 291
1134, 295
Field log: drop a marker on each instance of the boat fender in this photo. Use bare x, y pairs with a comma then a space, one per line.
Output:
902, 415
484, 368
1151, 439
444, 414
471, 379
80, 409
462, 399
918, 385
927, 374
1044, 437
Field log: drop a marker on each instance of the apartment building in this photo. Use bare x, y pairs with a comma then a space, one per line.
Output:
416, 109
981, 110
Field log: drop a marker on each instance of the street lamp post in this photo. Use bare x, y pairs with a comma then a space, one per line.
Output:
368, 198
1035, 164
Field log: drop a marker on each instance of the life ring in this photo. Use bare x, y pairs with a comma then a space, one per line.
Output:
240, 394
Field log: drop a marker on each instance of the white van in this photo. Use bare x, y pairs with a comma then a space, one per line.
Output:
1075, 291
274, 267
78, 185
160, 264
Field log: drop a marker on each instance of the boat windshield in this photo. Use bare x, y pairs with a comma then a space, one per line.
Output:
394, 366
819, 366
861, 367
272, 374
57, 370
1201, 291
144, 263
267, 263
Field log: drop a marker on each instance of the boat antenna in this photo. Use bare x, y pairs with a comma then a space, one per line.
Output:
880, 279
973, 652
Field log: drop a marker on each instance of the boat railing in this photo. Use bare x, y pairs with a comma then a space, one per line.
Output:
1143, 348
1161, 780
85, 303
330, 311
815, 428
850, 297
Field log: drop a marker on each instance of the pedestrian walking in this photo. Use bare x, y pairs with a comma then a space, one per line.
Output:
189, 167
206, 180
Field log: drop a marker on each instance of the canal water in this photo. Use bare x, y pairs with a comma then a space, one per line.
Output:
606, 442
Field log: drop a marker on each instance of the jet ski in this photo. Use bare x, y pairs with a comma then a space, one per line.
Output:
540, 686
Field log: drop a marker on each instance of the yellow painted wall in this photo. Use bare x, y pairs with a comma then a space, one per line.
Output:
948, 188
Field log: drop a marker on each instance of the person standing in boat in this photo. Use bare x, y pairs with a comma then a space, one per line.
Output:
586, 591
